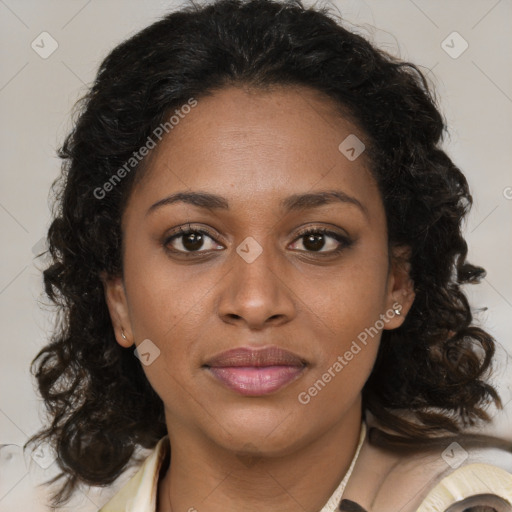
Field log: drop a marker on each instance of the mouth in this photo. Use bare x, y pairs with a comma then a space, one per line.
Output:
256, 372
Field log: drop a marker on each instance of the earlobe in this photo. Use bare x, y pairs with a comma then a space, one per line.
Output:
115, 297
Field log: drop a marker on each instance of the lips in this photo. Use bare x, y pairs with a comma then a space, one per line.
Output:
256, 372
268, 356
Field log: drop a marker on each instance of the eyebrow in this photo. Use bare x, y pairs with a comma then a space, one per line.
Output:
293, 203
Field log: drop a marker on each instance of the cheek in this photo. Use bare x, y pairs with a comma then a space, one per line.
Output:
349, 304
354, 294
346, 351
162, 298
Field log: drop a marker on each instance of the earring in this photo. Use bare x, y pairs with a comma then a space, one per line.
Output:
123, 334
396, 311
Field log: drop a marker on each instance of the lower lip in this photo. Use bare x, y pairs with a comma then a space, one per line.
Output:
256, 381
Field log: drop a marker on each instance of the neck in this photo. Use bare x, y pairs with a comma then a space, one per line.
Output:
202, 476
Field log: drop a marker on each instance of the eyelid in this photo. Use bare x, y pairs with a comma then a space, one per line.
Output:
321, 229
190, 228
185, 230
344, 240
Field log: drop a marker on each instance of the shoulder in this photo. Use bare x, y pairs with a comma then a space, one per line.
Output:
431, 479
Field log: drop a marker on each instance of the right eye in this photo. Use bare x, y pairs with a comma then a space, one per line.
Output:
189, 241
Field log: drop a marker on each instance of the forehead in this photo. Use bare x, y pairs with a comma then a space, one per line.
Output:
262, 145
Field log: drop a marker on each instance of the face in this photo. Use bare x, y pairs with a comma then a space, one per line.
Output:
206, 275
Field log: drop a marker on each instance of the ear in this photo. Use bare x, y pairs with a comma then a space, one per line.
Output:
115, 296
400, 287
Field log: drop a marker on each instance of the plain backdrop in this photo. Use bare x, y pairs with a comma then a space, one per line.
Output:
462, 45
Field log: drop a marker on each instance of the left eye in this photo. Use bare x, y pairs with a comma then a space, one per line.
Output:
314, 240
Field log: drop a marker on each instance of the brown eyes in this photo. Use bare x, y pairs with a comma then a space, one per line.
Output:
199, 240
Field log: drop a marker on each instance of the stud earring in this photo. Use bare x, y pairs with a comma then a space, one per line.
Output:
396, 311
123, 334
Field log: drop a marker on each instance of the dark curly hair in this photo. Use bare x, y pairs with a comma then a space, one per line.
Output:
100, 404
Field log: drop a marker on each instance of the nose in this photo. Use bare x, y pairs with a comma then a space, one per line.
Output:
257, 292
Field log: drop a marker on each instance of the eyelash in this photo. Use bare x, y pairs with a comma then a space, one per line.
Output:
344, 241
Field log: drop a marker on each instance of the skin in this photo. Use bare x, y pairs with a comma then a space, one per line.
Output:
255, 148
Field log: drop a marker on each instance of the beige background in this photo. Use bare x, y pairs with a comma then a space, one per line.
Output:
36, 96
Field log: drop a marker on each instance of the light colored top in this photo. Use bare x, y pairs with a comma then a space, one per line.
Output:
376, 480
334, 500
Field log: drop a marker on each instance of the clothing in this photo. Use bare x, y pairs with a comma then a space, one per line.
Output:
376, 481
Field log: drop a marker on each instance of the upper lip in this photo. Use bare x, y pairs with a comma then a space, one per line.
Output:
247, 356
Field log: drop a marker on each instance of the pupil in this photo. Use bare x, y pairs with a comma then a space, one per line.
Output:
314, 242
193, 241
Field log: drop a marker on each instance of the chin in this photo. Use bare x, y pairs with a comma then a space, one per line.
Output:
268, 433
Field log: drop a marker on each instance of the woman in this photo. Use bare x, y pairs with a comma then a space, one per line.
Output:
258, 256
